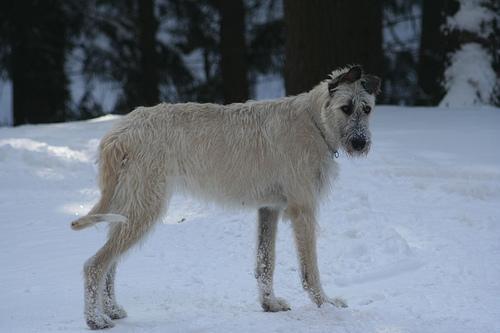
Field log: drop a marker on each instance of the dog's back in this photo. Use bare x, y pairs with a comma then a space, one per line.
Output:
237, 154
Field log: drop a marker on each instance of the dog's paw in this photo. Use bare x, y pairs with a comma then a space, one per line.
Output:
99, 321
115, 312
275, 304
336, 302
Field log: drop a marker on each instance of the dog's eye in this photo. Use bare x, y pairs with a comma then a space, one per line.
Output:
347, 109
367, 109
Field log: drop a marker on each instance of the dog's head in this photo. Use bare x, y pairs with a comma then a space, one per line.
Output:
351, 99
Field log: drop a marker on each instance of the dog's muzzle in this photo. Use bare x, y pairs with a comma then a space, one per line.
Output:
358, 143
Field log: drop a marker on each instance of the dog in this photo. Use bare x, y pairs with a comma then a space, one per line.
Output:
275, 156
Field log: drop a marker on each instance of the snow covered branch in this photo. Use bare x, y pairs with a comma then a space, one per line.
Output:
470, 78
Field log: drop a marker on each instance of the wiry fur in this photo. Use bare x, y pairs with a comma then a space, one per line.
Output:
273, 155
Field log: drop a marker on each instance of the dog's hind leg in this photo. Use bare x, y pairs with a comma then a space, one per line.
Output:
266, 233
304, 227
98, 276
140, 197
111, 307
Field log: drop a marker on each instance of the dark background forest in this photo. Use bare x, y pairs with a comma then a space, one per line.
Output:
70, 60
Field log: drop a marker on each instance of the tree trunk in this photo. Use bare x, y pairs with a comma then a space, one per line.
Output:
322, 35
38, 45
233, 51
149, 78
432, 55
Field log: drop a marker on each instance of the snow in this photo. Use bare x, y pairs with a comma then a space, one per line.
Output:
5, 103
409, 237
269, 86
473, 16
470, 79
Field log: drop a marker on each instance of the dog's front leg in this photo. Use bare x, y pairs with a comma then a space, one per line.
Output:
304, 227
264, 269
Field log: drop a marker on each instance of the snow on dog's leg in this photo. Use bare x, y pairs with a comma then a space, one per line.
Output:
304, 227
266, 233
121, 238
94, 270
111, 307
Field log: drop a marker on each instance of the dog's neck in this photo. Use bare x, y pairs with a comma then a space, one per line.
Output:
333, 151
317, 99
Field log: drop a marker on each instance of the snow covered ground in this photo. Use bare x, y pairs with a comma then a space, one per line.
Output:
410, 237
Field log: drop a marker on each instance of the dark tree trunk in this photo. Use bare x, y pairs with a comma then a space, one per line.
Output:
233, 51
322, 35
38, 45
149, 78
432, 55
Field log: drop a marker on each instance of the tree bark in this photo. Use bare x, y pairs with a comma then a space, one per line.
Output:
38, 45
432, 54
322, 35
233, 51
148, 27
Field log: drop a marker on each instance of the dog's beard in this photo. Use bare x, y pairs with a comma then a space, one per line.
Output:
351, 152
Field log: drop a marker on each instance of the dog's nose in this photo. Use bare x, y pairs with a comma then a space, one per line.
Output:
358, 143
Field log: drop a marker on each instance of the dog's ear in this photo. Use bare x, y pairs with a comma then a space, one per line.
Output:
371, 84
352, 75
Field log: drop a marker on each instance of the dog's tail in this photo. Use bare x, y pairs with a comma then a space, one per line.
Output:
112, 159
90, 220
